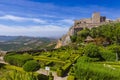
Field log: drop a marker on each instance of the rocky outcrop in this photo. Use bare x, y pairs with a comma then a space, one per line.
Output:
65, 40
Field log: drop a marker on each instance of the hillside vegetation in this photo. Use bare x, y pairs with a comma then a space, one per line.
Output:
94, 54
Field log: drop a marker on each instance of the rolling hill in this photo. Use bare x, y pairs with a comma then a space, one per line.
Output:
17, 43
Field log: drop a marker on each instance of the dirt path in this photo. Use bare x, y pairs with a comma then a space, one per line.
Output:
2, 61
42, 71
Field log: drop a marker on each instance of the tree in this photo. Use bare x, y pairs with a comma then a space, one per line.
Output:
92, 50
117, 35
81, 35
116, 49
73, 38
94, 32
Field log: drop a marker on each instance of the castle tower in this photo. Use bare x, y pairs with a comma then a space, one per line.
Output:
96, 17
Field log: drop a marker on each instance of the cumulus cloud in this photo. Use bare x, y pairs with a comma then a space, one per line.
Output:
41, 31
21, 19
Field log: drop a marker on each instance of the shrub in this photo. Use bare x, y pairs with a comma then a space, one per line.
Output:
49, 63
92, 50
18, 75
71, 71
67, 66
108, 55
42, 77
87, 59
31, 66
60, 72
63, 70
71, 77
17, 59
94, 71
1, 65
51, 77
73, 38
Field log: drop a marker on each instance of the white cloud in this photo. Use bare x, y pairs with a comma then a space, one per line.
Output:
42, 31
68, 21
21, 19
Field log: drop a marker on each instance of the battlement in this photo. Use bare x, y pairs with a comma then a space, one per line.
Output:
95, 20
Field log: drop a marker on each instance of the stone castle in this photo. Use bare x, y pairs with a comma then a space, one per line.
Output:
95, 21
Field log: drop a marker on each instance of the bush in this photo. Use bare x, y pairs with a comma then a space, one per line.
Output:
42, 77
60, 72
71, 77
31, 66
17, 75
63, 70
108, 55
92, 50
17, 59
73, 38
94, 71
87, 59
82, 34
66, 67
49, 63
1, 65
51, 77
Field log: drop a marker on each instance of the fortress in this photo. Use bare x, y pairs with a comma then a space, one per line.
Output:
95, 21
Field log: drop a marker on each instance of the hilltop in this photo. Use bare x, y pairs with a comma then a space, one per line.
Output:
95, 21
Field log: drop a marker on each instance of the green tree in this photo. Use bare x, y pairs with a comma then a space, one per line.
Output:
117, 35
81, 35
92, 50
73, 38
116, 49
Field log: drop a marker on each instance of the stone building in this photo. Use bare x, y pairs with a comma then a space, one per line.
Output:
96, 17
94, 21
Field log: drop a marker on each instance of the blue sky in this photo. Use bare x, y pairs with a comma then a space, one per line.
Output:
49, 18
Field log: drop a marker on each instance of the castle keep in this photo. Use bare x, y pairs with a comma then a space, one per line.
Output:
96, 18
94, 21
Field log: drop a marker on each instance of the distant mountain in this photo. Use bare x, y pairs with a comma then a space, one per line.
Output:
17, 43
7, 38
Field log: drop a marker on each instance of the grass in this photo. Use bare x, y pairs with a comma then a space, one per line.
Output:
11, 67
